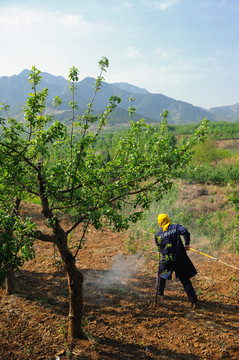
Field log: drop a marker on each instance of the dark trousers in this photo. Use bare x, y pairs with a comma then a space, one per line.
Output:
188, 287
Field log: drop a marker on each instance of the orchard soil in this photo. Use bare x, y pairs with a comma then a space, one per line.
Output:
121, 317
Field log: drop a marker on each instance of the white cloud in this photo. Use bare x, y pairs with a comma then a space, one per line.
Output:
162, 53
218, 4
132, 52
123, 6
16, 18
127, 4
165, 4
167, 54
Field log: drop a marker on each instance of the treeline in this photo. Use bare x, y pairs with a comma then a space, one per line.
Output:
219, 130
207, 173
209, 164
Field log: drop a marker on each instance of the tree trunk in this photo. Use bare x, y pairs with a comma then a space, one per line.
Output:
75, 277
10, 282
75, 284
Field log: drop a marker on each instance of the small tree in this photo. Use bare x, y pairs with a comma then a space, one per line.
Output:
16, 234
59, 165
233, 198
209, 153
16, 245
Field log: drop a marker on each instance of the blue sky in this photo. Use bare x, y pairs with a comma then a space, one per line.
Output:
184, 49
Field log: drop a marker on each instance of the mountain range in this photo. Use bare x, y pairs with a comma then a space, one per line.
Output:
15, 89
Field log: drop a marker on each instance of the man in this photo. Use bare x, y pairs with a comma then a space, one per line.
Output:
174, 257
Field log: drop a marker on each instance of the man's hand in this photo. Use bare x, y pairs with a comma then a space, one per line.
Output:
187, 247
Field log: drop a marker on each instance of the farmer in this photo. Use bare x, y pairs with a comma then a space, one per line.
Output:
174, 257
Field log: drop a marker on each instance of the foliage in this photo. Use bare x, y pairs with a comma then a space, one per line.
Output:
139, 235
233, 198
221, 174
224, 130
16, 245
208, 153
219, 130
16, 241
208, 165
220, 228
214, 226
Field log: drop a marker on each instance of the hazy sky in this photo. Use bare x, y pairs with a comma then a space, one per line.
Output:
184, 49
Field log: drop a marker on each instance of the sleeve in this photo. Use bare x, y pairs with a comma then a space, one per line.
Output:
183, 231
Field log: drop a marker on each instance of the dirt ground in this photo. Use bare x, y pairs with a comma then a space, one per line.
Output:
121, 318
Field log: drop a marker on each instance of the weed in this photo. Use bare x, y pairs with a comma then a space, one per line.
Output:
43, 301
131, 245
28, 350
62, 329
121, 291
222, 345
235, 292
135, 295
69, 354
64, 291
84, 322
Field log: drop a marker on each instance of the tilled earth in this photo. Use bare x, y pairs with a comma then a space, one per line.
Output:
121, 317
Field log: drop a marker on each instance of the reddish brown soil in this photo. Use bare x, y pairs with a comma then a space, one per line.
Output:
121, 317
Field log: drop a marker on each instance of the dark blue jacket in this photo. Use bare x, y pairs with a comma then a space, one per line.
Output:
174, 256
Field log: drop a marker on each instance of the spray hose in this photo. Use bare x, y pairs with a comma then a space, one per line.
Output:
211, 257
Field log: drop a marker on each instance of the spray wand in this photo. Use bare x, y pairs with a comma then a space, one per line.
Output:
216, 259
211, 257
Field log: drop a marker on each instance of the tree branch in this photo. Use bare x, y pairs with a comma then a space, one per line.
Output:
44, 237
18, 154
75, 224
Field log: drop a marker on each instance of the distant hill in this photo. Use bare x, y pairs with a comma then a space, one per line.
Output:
226, 110
130, 88
15, 89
